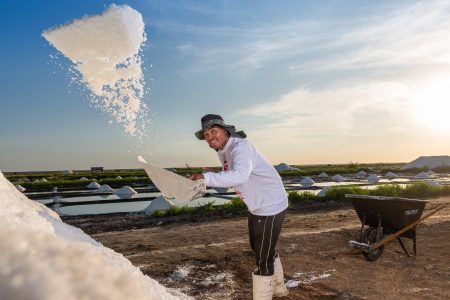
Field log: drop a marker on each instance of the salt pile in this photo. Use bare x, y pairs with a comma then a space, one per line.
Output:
159, 203
284, 167
337, 178
373, 178
93, 185
390, 175
125, 191
105, 50
323, 191
422, 175
43, 258
429, 162
323, 175
105, 189
307, 182
361, 174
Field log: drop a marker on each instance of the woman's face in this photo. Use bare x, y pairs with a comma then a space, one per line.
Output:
216, 137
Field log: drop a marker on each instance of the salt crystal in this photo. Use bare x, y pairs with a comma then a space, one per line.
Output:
105, 50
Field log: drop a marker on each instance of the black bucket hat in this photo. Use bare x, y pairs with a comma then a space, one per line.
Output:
210, 120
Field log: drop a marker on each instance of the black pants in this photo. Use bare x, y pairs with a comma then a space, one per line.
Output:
263, 233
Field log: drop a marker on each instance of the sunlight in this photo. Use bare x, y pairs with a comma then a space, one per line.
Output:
432, 105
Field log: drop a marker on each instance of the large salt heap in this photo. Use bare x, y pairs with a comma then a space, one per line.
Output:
429, 162
43, 258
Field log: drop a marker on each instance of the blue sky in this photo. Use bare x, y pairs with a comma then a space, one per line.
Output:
309, 81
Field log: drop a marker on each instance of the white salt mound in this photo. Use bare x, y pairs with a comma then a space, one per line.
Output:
323, 191
105, 50
429, 162
284, 167
43, 258
159, 203
373, 178
93, 185
391, 175
337, 178
323, 175
307, 182
361, 174
126, 190
422, 175
83, 179
105, 189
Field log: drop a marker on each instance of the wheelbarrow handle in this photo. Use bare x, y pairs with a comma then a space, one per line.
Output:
404, 229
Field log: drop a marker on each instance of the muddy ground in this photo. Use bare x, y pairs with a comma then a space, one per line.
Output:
208, 257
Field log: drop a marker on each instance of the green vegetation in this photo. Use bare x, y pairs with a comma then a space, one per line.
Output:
174, 211
235, 205
50, 183
419, 190
138, 176
350, 168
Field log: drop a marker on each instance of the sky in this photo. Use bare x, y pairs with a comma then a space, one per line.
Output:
310, 82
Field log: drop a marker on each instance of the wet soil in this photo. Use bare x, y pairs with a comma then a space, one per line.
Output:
208, 256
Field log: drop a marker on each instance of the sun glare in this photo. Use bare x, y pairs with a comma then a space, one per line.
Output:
432, 105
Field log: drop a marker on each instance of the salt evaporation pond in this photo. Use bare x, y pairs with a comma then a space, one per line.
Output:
105, 53
132, 206
43, 258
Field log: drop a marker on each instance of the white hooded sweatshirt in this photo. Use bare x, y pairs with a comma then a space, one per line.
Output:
252, 176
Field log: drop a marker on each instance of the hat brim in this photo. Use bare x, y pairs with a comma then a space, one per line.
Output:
230, 128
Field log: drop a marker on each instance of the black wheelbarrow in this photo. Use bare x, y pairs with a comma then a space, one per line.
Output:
387, 218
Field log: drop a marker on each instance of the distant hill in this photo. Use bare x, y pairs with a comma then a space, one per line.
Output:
429, 162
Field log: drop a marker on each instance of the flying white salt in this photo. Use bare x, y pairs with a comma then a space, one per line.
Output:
44, 258
106, 54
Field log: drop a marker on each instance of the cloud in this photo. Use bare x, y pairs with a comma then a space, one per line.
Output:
384, 37
360, 109
409, 36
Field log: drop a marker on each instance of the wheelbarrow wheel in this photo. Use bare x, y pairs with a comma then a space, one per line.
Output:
369, 237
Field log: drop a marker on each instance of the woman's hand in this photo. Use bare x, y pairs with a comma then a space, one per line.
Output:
196, 177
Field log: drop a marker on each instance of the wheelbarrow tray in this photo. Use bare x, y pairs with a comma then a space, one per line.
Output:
394, 213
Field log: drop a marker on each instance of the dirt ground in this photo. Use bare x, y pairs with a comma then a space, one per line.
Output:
210, 258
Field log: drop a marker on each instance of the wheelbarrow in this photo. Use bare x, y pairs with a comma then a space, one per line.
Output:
386, 218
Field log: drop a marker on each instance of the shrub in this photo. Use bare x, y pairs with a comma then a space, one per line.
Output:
235, 204
388, 190
338, 193
207, 207
294, 197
